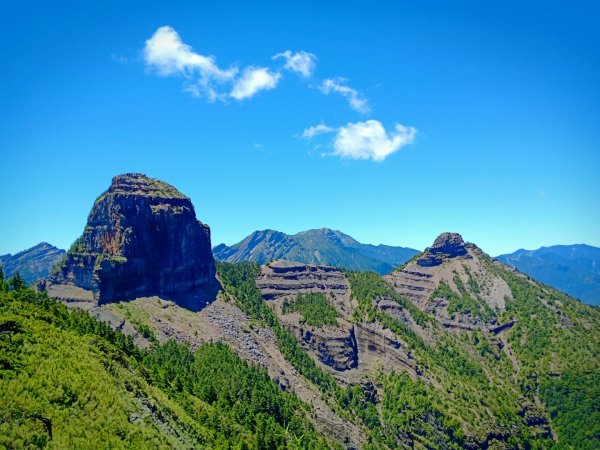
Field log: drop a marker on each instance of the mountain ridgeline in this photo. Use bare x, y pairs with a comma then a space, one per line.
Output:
32, 264
450, 350
320, 246
574, 269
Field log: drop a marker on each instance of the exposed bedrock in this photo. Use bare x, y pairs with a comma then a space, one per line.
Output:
142, 238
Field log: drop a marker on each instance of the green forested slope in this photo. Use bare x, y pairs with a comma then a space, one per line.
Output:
68, 381
557, 342
471, 394
465, 397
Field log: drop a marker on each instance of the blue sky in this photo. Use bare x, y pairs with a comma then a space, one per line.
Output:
472, 117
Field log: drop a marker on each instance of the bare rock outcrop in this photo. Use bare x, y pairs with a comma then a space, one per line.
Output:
336, 348
447, 245
142, 238
282, 278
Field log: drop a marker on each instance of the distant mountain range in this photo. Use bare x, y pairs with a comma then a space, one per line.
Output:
320, 246
574, 269
32, 264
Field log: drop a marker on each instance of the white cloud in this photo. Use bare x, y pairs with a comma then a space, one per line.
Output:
300, 62
166, 53
253, 80
369, 140
337, 85
315, 130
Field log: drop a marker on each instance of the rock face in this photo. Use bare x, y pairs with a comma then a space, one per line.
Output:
142, 238
335, 346
282, 278
452, 281
447, 245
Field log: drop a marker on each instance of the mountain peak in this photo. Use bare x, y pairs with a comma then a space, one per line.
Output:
322, 246
446, 245
142, 238
32, 264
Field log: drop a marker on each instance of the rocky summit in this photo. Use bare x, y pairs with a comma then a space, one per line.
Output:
142, 238
447, 245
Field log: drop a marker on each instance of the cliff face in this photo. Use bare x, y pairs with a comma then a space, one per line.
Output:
142, 238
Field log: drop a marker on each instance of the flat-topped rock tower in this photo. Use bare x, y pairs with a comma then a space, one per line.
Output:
142, 238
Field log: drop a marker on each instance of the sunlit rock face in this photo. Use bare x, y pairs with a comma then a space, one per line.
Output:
142, 238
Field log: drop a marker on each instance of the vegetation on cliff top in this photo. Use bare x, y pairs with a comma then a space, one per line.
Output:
315, 309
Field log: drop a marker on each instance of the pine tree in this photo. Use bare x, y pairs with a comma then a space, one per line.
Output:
2, 280
17, 283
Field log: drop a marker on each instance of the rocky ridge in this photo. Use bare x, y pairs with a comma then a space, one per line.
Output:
460, 266
351, 349
446, 246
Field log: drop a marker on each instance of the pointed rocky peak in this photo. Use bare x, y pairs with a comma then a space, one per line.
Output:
447, 245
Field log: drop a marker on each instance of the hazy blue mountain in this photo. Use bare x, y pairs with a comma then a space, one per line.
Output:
320, 246
574, 269
32, 264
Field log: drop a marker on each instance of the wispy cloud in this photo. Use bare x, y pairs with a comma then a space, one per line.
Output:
300, 62
338, 86
313, 131
253, 80
167, 55
120, 58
